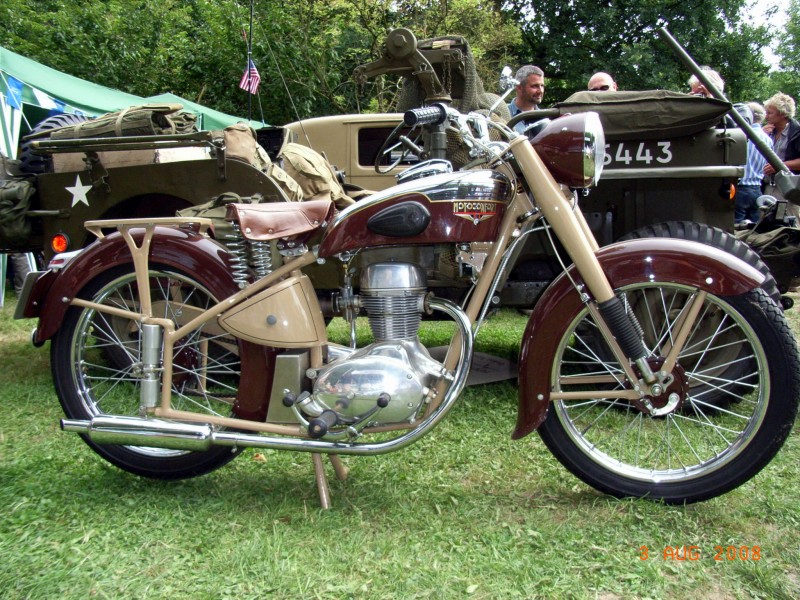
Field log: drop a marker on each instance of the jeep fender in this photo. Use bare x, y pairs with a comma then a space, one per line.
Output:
182, 249
625, 263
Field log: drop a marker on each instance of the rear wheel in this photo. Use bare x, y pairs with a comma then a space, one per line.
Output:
96, 366
680, 446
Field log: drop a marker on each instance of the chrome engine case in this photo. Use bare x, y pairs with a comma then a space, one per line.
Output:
402, 369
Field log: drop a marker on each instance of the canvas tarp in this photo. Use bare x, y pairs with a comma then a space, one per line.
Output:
649, 114
31, 91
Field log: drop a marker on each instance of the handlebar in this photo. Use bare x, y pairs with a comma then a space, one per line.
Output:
435, 114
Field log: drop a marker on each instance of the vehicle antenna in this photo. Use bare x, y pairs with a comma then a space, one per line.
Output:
288, 93
249, 60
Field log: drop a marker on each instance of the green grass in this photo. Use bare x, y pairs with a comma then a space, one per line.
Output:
465, 513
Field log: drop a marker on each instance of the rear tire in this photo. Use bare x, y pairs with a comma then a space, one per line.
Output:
95, 358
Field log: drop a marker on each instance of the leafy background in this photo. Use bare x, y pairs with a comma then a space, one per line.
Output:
306, 50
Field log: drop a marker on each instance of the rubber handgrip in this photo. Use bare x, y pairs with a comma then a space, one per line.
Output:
427, 115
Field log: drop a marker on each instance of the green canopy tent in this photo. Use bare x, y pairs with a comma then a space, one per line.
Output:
31, 91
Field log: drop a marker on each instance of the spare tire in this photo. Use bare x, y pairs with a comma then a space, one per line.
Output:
711, 236
35, 164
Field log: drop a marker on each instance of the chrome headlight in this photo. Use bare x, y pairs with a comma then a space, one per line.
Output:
573, 147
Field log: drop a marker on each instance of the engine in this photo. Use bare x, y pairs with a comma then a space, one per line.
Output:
387, 381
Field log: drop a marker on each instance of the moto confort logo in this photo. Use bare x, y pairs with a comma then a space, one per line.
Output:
475, 211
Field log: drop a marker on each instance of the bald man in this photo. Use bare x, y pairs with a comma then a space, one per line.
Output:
602, 82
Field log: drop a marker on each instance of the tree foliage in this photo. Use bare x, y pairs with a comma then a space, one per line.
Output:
572, 40
788, 50
306, 50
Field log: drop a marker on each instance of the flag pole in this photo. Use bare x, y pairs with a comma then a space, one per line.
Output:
249, 59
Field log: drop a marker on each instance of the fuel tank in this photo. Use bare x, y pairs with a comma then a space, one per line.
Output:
466, 206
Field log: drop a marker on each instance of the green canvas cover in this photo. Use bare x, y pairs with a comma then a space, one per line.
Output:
648, 114
148, 119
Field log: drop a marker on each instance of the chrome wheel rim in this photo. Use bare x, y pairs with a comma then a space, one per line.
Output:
699, 438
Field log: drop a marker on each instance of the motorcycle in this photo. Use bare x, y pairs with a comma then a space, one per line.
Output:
652, 368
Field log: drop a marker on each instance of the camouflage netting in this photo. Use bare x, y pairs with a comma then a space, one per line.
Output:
459, 78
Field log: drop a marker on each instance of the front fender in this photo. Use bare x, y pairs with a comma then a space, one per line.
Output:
178, 248
624, 263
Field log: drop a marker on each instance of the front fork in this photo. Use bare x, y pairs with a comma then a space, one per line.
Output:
573, 232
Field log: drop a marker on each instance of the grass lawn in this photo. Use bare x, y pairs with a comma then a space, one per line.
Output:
465, 513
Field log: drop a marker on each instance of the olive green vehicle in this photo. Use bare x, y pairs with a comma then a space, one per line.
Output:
669, 169
123, 177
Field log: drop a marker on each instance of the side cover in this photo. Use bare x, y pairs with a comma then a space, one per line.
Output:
625, 263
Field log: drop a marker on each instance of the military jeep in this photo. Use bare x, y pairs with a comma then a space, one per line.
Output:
671, 163
669, 170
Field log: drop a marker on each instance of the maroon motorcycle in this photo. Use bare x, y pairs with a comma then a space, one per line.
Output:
651, 368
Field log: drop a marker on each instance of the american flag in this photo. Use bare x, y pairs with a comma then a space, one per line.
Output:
251, 78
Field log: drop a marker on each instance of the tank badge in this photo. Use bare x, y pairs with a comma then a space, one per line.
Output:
475, 211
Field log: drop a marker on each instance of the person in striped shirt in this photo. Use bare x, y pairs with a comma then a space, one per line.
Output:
749, 188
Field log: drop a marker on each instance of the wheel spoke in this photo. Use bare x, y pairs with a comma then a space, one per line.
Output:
721, 362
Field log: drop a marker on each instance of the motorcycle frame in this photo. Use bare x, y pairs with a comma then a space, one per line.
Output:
547, 199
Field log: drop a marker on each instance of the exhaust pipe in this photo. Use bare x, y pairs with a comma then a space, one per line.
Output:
134, 431
154, 433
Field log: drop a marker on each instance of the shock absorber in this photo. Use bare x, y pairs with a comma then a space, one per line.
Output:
237, 246
150, 383
261, 258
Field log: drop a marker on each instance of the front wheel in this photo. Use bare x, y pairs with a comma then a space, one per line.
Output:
95, 358
679, 447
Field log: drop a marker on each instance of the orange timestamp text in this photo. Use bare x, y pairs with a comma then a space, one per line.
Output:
694, 553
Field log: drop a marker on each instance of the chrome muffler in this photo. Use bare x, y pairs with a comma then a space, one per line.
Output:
135, 431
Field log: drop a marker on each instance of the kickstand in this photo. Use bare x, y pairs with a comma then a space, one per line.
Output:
322, 480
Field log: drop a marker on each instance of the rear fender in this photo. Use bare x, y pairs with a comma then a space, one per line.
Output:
625, 263
179, 248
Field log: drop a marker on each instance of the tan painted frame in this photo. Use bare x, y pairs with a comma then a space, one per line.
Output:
565, 219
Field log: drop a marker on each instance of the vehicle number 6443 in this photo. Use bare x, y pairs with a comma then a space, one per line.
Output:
643, 153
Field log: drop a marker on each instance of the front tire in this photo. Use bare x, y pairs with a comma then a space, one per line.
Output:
95, 359
694, 450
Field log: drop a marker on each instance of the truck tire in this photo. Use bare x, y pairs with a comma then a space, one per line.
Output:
35, 164
711, 236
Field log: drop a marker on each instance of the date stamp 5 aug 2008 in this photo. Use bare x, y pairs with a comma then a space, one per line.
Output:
694, 553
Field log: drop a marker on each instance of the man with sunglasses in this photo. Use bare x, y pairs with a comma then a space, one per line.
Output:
602, 82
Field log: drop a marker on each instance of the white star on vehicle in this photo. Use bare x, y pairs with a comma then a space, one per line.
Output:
78, 192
